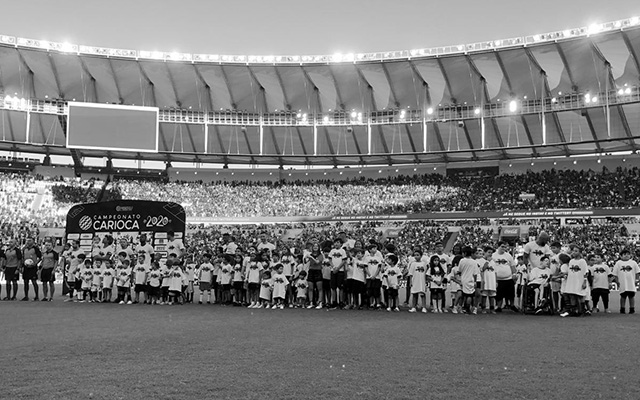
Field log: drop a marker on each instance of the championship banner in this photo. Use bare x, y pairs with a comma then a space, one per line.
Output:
126, 218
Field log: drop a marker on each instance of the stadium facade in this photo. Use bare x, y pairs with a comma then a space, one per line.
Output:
559, 94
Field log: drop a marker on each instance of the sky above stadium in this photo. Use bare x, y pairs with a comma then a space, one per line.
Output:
259, 27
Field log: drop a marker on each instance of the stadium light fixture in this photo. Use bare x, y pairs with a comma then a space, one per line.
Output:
554, 100
354, 114
513, 106
476, 111
593, 28
325, 119
403, 114
429, 110
620, 92
587, 98
627, 90
594, 99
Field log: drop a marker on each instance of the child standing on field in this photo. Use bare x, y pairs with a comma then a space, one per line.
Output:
265, 289
86, 274
108, 276
436, 275
253, 280
468, 269
124, 281
391, 276
280, 283
626, 274
418, 273
205, 275
96, 284
601, 278
225, 276
455, 285
301, 289
521, 277
576, 281
155, 279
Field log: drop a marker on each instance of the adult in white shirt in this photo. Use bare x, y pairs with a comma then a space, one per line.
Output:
174, 246
535, 250
146, 248
265, 245
505, 269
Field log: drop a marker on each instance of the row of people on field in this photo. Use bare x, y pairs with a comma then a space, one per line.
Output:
339, 277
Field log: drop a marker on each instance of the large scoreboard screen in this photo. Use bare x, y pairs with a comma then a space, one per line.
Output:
112, 127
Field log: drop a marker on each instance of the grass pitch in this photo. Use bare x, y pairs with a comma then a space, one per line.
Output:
68, 350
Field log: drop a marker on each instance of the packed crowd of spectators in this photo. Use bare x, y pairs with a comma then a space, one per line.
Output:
403, 194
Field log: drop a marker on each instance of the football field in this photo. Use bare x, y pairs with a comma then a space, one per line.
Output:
82, 350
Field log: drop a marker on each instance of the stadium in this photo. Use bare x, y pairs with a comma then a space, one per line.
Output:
266, 166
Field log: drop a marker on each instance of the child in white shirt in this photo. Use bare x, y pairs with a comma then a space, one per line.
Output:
390, 277
301, 289
626, 273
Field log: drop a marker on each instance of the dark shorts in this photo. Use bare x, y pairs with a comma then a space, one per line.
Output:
348, 285
326, 284
505, 290
315, 275
358, 287
47, 275
437, 293
29, 273
205, 286
254, 286
392, 292
11, 274
140, 288
78, 284
238, 285
373, 287
627, 295
226, 287
214, 281
337, 280
154, 290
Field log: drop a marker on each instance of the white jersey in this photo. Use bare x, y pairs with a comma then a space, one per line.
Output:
626, 272
175, 247
536, 252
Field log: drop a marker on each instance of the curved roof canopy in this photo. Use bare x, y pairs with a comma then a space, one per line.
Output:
562, 93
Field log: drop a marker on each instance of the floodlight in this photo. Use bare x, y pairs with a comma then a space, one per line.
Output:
594, 28
476, 111
627, 90
67, 47
403, 113
354, 114
620, 92
594, 99
429, 110
513, 106
325, 119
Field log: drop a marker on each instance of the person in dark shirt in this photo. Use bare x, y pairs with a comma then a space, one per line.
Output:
31, 256
47, 272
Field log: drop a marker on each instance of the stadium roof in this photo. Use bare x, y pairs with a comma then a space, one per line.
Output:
562, 93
